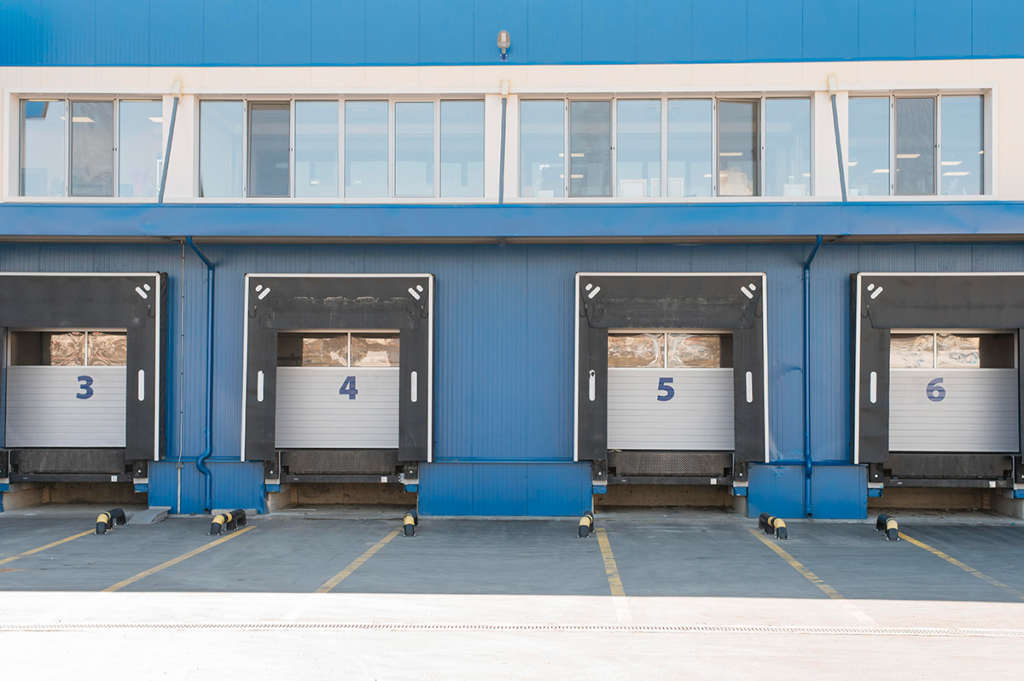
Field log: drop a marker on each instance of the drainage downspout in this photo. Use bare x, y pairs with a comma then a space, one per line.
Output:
170, 138
501, 167
808, 463
208, 430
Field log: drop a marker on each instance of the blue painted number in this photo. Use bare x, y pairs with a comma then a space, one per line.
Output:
670, 392
935, 391
86, 388
349, 388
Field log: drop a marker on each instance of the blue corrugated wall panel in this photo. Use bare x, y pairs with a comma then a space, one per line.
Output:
840, 492
775, 30
504, 359
496, 489
778, 490
887, 28
446, 32
122, 32
413, 32
943, 29
285, 33
663, 31
230, 35
235, 485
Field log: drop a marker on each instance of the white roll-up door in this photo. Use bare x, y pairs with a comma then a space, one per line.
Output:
669, 390
61, 406
943, 397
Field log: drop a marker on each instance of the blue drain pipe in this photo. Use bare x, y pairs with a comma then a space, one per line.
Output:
808, 463
208, 431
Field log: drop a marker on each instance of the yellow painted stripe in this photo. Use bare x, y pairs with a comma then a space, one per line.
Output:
966, 568
174, 561
610, 568
354, 565
43, 548
799, 567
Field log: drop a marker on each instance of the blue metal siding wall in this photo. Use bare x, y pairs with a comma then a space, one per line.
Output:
421, 32
504, 357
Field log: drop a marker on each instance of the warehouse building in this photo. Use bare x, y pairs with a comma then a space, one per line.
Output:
513, 258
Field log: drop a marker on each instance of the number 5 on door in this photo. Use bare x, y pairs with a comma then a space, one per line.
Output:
664, 385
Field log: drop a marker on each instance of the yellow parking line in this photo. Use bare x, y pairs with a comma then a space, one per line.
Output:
174, 561
338, 578
610, 568
966, 568
43, 548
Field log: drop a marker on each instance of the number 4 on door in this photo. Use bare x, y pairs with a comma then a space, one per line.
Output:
349, 388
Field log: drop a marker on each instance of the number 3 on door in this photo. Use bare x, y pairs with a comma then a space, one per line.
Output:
349, 388
86, 388
670, 392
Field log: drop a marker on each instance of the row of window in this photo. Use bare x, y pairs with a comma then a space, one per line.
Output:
669, 350
69, 348
952, 351
627, 148
337, 349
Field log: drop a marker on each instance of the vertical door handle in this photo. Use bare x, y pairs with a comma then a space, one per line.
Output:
873, 393
750, 387
259, 386
593, 385
142, 385
414, 386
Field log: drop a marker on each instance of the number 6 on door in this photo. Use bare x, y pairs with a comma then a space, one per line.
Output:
664, 385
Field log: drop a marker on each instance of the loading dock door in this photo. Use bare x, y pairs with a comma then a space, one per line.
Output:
953, 392
670, 391
338, 391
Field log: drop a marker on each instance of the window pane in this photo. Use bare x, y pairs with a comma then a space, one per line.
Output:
375, 350
268, 149
915, 146
366, 149
638, 148
316, 148
958, 352
414, 149
912, 351
689, 147
788, 147
64, 349
220, 149
636, 350
868, 165
108, 349
541, 149
590, 134
695, 351
92, 148
42, 148
737, 148
140, 148
963, 144
462, 149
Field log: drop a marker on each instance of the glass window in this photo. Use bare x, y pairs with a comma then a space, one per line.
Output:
375, 350
42, 148
915, 146
92, 148
963, 145
788, 147
220, 149
139, 147
414, 149
954, 351
366, 149
694, 351
632, 350
268, 148
590, 135
316, 149
868, 166
689, 147
462, 149
541, 148
912, 351
638, 147
738, 148
107, 349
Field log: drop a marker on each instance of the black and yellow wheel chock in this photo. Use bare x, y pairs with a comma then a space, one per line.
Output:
106, 520
228, 521
888, 525
409, 523
586, 525
769, 524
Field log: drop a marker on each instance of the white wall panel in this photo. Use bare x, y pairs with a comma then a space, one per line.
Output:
58, 407
698, 417
311, 413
